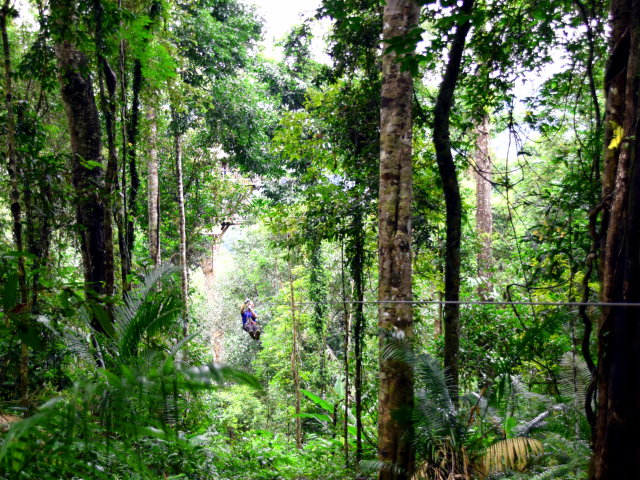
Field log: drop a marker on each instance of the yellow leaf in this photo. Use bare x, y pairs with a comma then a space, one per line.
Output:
618, 131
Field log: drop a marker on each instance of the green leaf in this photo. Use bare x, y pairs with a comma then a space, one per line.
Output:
317, 416
101, 315
10, 292
30, 335
318, 401
509, 425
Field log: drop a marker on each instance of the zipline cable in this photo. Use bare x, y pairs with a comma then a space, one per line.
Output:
473, 302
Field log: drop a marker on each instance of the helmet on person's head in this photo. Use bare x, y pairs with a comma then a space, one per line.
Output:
247, 301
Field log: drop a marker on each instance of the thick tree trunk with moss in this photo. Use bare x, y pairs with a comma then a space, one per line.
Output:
394, 242
617, 448
12, 156
442, 143
16, 209
84, 133
106, 77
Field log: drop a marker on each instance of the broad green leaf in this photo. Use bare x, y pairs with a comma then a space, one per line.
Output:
10, 293
318, 401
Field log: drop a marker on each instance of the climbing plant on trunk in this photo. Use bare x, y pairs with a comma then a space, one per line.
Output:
617, 448
86, 147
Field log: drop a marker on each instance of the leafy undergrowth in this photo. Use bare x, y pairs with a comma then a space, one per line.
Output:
262, 455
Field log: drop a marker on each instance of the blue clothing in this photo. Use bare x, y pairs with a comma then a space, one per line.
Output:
246, 315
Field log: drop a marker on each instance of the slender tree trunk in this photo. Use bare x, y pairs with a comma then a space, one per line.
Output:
617, 448
347, 329
208, 265
84, 132
318, 295
359, 326
132, 138
394, 242
153, 189
184, 274
442, 143
295, 355
484, 214
123, 213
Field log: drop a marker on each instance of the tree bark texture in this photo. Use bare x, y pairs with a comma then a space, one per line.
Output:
347, 329
84, 133
13, 166
295, 356
184, 274
484, 214
107, 106
357, 272
153, 190
394, 242
617, 448
208, 265
123, 213
447, 169
132, 138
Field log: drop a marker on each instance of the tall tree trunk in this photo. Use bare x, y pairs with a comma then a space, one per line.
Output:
107, 105
16, 213
84, 132
442, 143
123, 213
394, 242
184, 274
318, 296
13, 167
347, 329
617, 448
132, 138
208, 265
357, 267
153, 190
484, 214
295, 355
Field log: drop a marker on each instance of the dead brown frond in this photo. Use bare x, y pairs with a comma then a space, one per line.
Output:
509, 454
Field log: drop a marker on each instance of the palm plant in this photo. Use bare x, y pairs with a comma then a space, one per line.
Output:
105, 426
466, 442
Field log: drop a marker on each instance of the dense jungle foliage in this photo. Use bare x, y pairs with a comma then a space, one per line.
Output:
433, 318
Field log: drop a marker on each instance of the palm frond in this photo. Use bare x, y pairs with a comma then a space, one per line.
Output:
141, 315
428, 372
539, 421
509, 454
373, 466
574, 378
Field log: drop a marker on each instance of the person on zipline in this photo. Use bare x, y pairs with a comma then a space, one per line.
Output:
249, 324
